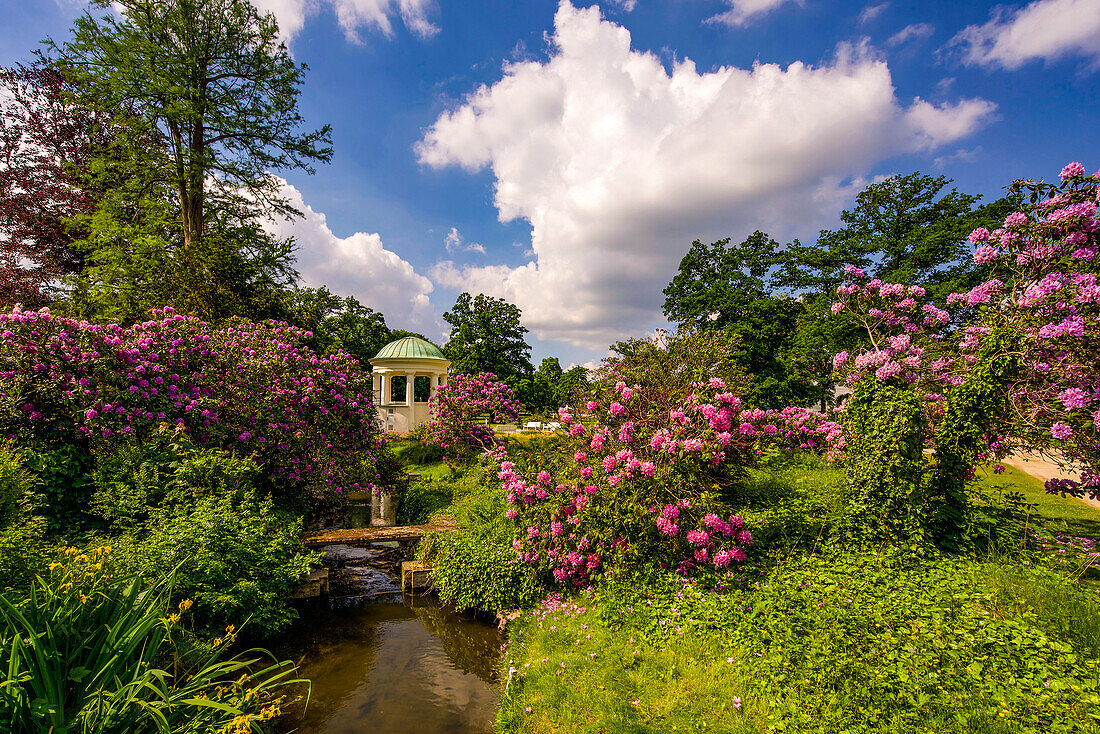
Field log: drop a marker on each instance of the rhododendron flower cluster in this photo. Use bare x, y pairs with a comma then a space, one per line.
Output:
459, 409
794, 429
1050, 312
1042, 303
248, 387
634, 484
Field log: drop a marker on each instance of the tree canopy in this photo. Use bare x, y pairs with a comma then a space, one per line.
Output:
730, 287
487, 336
202, 100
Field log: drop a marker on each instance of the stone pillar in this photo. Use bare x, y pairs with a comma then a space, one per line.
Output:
376, 388
386, 389
410, 381
435, 383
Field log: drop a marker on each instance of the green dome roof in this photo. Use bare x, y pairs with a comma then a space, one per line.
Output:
410, 347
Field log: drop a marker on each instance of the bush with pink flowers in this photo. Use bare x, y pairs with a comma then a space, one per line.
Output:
251, 389
459, 410
632, 485
1024, 371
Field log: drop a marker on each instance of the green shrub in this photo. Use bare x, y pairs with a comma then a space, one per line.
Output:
845, 642
88, 652
236, 557
477, 568
23, 553
423, 454
422, 499
885, 460
65, 487
22, 549
481, 572
167, 471
16, 485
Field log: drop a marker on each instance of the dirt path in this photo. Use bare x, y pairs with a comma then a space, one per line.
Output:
1041, 468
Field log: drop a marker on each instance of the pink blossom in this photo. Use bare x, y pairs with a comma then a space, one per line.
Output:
1072, 169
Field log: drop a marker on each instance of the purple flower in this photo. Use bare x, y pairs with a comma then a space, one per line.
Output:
1061, 431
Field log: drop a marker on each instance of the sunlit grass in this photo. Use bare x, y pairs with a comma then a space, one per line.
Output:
1061, 513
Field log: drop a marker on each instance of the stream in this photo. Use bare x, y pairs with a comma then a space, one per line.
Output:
383, 661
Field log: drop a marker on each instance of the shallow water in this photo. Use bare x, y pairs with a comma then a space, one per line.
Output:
393, 664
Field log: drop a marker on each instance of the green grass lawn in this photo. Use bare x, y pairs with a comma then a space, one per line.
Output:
1061, 513
829, 640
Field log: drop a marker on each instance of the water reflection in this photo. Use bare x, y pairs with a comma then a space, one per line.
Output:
378, 509
402, 666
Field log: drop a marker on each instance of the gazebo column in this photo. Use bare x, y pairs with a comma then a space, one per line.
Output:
435, 383
384, 398
410, 383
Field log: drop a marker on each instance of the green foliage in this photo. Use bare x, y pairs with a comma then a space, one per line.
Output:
16, 485
198, 125
974, 410
864, 643
22, 549
549, 388
480, 571
64, 486
670, 363
486, 336
730, 287
235, 556
885, 461
168, 471
424, 498
23, 553
89, 652
339, 323
477, 567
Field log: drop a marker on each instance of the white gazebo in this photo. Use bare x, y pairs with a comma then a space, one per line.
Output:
413, 359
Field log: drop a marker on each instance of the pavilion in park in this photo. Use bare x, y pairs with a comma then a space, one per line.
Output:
414, 359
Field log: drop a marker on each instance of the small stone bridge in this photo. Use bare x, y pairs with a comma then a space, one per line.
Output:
376, 534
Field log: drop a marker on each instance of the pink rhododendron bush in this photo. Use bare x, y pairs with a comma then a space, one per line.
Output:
458, 410
1043, 304
1024, 370
631, 485
648, 468
252, 389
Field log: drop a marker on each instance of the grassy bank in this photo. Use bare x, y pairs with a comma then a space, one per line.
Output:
813, 638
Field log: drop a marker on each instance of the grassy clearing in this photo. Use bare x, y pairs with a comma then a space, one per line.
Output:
1061, 513
827, 640
567, 670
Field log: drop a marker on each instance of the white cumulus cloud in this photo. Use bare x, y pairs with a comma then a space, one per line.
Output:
353, 15
357, 265
1042, 30
618, 164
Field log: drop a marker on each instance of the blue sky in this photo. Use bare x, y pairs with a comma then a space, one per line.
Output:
564, 157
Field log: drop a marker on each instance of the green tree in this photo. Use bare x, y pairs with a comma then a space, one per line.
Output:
486, 336
203, 103
907, 229
904, 229
730, 287
339, 323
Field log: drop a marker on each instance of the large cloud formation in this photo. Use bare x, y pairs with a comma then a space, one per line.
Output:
353, 15
618, 164
357, 266
1043, 30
